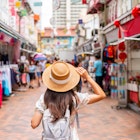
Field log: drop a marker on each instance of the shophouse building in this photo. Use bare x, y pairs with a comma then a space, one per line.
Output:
119, 21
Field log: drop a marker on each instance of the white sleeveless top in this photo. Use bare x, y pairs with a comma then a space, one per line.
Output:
84, 99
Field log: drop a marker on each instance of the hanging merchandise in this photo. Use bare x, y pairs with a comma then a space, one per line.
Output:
0, 89
110, 52
0, 94
105, 54
121, 94
5, 84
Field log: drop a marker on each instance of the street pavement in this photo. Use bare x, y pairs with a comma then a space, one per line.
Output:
98, 121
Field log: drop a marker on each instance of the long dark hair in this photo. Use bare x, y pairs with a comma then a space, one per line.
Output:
57, 102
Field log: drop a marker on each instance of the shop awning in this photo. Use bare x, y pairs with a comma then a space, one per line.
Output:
12, 33
90, 53
7, 32
28, 51
125, 39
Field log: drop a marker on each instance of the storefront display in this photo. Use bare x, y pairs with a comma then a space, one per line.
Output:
133, 83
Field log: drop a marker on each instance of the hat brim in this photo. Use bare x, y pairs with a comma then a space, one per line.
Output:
74, 79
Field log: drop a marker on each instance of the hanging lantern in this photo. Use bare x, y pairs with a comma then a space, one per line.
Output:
18, 4
36, 17
122, 56
121, 46
23, 12
84, 1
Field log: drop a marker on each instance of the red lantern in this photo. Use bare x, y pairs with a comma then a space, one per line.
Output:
121, 46
122, 56
84, 1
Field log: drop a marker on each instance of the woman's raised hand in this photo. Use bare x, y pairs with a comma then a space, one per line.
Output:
83, 72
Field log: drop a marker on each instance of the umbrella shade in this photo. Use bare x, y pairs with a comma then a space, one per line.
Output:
38, 57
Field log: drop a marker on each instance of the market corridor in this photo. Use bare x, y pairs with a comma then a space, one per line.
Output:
97, 122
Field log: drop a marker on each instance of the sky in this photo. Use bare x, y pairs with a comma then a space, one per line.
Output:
46, 13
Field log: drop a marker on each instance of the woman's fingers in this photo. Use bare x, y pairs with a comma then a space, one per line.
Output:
80, 70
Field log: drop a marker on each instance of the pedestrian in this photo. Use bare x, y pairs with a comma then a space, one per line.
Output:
58, 105
32, 71
38, 73
43, 65
98, 70
79, 85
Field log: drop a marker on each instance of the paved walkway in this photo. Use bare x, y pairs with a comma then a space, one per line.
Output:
97, 122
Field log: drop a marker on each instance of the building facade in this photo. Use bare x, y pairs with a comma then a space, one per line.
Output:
119, 20
68, 14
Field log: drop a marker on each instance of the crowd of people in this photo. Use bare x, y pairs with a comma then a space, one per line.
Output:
29, 73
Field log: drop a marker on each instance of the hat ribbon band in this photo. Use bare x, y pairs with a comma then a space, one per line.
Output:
60, 81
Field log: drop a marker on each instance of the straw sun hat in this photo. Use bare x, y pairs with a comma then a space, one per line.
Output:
60, 77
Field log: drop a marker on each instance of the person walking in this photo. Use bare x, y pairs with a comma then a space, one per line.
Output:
38, 73
98, 70
56, 108
32, 71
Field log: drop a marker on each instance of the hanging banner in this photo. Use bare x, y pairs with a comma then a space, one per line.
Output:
23, 12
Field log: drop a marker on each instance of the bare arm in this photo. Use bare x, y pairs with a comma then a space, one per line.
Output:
36, 119
99, 93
